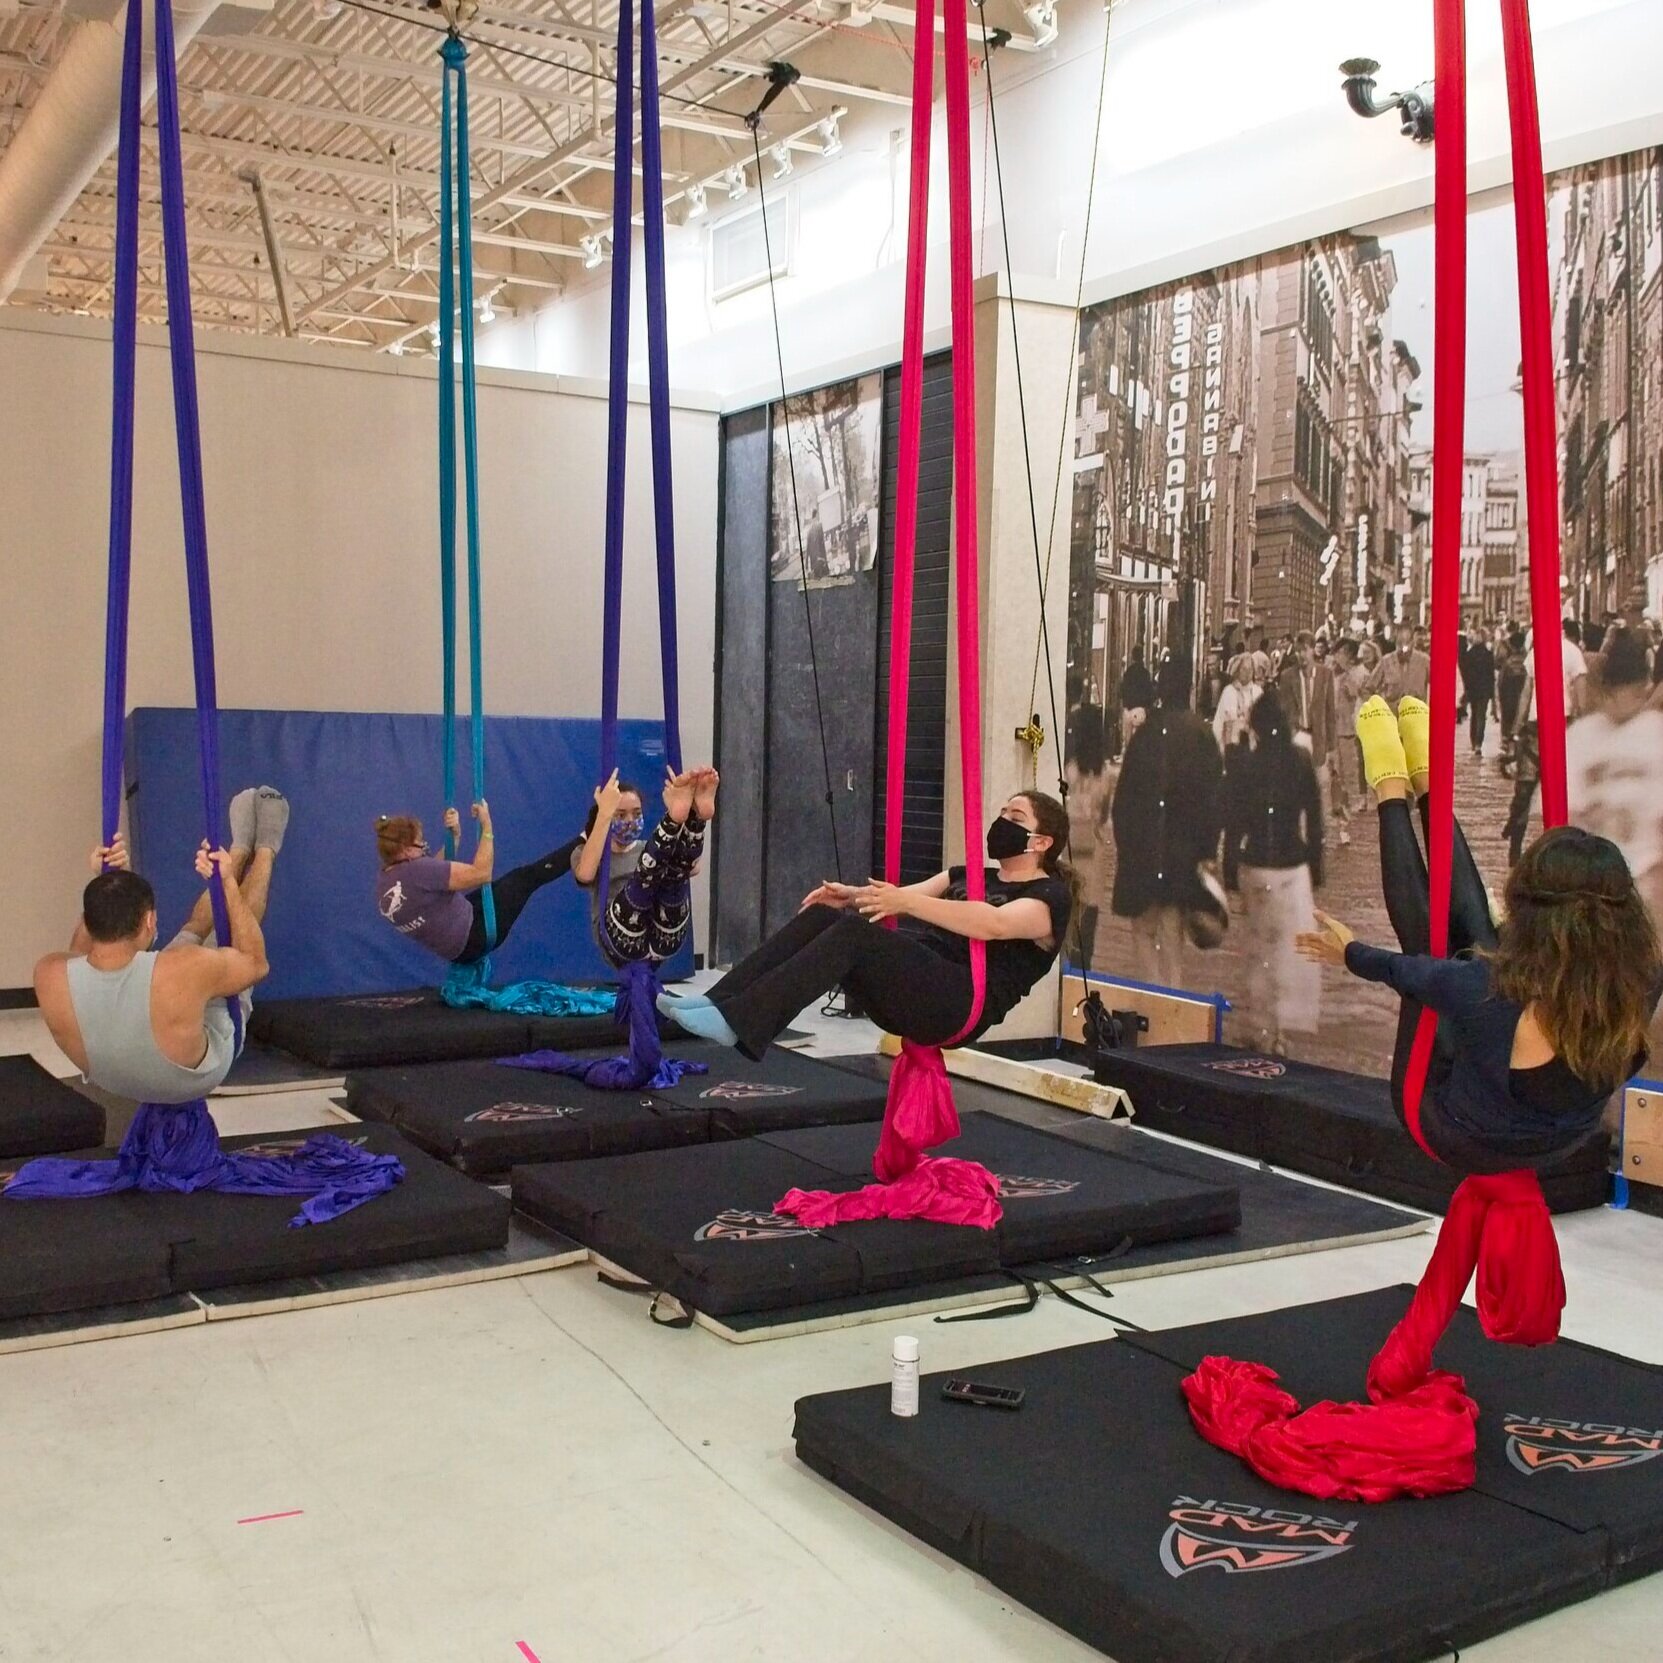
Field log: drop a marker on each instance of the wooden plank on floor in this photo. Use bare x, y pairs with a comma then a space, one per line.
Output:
1027, 1079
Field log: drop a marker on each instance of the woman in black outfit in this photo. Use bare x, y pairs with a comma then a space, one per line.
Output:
1273, 859
1540, 1021
913, 983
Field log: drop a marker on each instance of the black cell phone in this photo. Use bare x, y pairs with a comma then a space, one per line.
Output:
983, 1396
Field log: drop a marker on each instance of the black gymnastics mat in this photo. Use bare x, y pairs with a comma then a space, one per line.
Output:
1332, 1125
60, 1256
698, 1224
40, 1115
485, 1118
1565, 1430
1099, 1507
261, 1070
370, 1030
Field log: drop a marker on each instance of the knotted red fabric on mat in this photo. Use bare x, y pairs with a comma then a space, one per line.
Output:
1416, 1436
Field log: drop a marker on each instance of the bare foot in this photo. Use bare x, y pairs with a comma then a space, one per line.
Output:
705, 781
678, 796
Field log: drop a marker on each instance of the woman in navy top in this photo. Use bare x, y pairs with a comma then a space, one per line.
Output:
1540, 1021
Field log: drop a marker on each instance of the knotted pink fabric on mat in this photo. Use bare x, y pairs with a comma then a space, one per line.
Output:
918, 1116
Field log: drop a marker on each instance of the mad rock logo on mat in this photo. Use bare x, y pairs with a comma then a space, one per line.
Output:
1231, 1537
1536, 1444
1015, 1188
740, 1224
513, 1114
276, 1148
386, 1001
740, 1091
1255, 1068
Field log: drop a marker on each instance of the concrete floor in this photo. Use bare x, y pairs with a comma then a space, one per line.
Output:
530, 1470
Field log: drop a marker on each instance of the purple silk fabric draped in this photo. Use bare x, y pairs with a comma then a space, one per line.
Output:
644, 1066
175, 1146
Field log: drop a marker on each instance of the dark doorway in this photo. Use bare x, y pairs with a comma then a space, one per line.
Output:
776, 837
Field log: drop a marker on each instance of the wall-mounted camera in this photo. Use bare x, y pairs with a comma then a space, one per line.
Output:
1414, 106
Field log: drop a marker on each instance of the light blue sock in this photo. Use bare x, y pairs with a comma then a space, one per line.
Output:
702, 1019
669, 1001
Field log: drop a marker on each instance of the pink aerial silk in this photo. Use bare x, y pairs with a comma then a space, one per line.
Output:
1415, 1436
919, 1113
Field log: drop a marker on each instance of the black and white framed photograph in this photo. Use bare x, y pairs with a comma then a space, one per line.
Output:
827, 455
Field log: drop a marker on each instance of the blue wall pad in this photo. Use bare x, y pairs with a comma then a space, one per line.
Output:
342, 769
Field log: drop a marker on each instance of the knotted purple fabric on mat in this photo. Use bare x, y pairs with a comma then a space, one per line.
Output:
175, 1146
645, 1067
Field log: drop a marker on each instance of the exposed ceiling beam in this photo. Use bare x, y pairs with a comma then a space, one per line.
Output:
533, 171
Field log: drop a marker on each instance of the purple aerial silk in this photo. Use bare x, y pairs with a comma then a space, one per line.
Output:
175, 1146
644, 1067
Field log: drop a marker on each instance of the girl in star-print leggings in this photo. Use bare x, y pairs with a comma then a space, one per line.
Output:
645, 914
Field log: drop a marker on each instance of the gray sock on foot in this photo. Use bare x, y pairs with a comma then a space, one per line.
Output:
271, 818
242, 819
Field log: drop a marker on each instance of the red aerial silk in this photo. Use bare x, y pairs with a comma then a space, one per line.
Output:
1416, 1434
919, 1113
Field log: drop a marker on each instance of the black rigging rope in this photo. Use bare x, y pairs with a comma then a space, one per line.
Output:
1042, 572
796, 504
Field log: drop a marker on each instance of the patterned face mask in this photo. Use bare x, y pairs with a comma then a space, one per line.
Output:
626, 831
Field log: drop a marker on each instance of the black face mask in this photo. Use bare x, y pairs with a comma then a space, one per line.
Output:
1006, 839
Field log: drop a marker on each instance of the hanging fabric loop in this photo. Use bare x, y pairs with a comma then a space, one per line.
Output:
187, 434
1415, 1436
919, 1112
1449, 369
175, 1146
1448, 454
658, 389
456, 315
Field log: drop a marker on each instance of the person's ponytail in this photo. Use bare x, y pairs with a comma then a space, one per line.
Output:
394, 833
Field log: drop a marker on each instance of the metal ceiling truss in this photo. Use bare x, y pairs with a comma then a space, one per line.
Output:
329, 111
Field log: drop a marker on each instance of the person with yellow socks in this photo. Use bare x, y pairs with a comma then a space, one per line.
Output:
1539, 1021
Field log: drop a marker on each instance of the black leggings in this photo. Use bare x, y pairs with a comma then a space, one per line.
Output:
511, 892
904, 987
1407, 885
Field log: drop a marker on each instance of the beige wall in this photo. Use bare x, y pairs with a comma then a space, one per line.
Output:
1009, 584
321, 498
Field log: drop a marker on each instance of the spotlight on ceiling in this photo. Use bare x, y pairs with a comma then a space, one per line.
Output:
736, 181
695, 204
831, 141
487, 311
593, 251
1415, 105
782, 159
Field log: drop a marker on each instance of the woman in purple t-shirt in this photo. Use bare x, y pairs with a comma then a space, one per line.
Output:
441, 903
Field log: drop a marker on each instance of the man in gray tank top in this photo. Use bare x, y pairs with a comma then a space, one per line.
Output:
156, 1026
